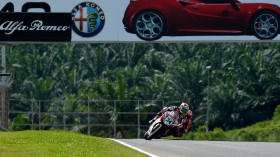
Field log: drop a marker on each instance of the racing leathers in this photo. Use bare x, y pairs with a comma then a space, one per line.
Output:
183, 122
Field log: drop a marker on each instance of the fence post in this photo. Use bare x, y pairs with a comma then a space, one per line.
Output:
88, 132
138, 135
115, 118
64, 115
39, 115
54, 117
32, 115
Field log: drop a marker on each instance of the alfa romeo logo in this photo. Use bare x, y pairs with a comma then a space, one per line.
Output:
88, 19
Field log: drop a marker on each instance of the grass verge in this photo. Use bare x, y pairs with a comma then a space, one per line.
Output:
60, 144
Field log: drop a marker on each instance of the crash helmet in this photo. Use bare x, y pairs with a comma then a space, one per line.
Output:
184, 108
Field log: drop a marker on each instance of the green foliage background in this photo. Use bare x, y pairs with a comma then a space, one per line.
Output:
265, 131
244, 78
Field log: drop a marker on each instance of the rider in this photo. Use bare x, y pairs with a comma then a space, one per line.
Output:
184, 115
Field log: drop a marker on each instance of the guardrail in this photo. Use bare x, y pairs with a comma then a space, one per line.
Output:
71, 114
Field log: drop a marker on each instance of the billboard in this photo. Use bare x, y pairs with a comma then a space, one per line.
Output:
35, 27
162, 20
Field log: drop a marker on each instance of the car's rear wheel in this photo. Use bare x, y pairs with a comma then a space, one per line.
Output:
265, 25
149, 25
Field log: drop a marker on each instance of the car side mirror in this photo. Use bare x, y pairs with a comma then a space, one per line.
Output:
234, 4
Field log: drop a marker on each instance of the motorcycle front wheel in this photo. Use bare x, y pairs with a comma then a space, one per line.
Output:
155, 132
146, 135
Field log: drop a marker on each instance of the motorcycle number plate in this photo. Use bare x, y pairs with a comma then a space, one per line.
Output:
168, 120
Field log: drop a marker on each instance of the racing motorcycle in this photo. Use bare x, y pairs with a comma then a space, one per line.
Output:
161, 127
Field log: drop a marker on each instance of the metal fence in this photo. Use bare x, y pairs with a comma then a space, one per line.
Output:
108, 118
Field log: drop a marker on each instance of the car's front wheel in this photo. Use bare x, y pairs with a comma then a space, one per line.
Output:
265, 25
149, 25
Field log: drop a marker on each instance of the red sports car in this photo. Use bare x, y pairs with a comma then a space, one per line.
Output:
151, 19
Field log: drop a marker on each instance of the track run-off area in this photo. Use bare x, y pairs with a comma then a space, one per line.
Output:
186, 148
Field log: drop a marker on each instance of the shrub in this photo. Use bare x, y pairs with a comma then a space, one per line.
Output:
217, 134
276, 114
200, 133
19, 121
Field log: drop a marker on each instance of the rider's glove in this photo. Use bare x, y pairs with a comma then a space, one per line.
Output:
151, 121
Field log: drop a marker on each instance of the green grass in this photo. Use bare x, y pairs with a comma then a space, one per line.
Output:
60, 144
266, 131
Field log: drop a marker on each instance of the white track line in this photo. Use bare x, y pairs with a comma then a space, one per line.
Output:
130, 146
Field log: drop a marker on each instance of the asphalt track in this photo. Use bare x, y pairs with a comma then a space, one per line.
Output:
184, 148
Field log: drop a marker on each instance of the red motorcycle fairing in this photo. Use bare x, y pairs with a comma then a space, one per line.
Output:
162, 126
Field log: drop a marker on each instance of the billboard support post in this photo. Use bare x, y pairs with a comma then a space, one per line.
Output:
4, 92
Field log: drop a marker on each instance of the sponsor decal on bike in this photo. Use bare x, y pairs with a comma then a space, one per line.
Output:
88, 19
